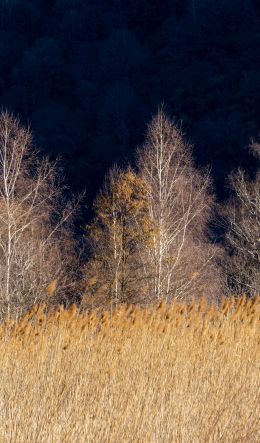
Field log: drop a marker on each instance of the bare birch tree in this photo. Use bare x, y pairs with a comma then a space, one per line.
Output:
242, 216
181, 260
33, 238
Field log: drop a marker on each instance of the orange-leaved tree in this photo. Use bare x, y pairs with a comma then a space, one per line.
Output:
117, 236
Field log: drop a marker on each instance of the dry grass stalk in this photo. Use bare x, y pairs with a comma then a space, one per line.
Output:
178, 373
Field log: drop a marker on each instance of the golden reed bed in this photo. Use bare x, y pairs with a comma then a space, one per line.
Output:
178, 373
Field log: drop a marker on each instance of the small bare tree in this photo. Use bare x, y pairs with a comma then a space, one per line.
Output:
181, 260
242, 217
33, 235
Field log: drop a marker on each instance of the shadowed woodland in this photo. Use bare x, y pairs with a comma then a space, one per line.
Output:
89, 75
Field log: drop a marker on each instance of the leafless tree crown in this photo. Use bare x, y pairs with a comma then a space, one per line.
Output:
180, 202
242, 217
32, 220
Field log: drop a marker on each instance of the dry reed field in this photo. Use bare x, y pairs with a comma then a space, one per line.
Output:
177, 373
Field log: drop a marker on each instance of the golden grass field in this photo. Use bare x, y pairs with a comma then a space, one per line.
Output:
178, 373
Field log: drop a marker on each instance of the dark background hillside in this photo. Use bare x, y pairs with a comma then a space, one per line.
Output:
88, 75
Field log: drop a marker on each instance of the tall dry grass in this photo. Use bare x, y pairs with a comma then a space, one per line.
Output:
182, 373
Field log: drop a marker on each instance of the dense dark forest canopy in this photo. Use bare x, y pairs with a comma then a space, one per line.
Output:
88, 75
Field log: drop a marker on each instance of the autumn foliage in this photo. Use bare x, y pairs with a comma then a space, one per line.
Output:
119, 234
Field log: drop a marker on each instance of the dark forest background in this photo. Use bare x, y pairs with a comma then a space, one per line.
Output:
88, 76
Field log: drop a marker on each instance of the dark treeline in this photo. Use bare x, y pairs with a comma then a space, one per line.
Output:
88, 75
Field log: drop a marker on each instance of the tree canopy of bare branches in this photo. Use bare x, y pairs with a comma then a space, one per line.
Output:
150, 238
34, 237
181, 259
242, 217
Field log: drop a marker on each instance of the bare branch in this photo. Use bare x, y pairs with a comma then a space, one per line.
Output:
32, 240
